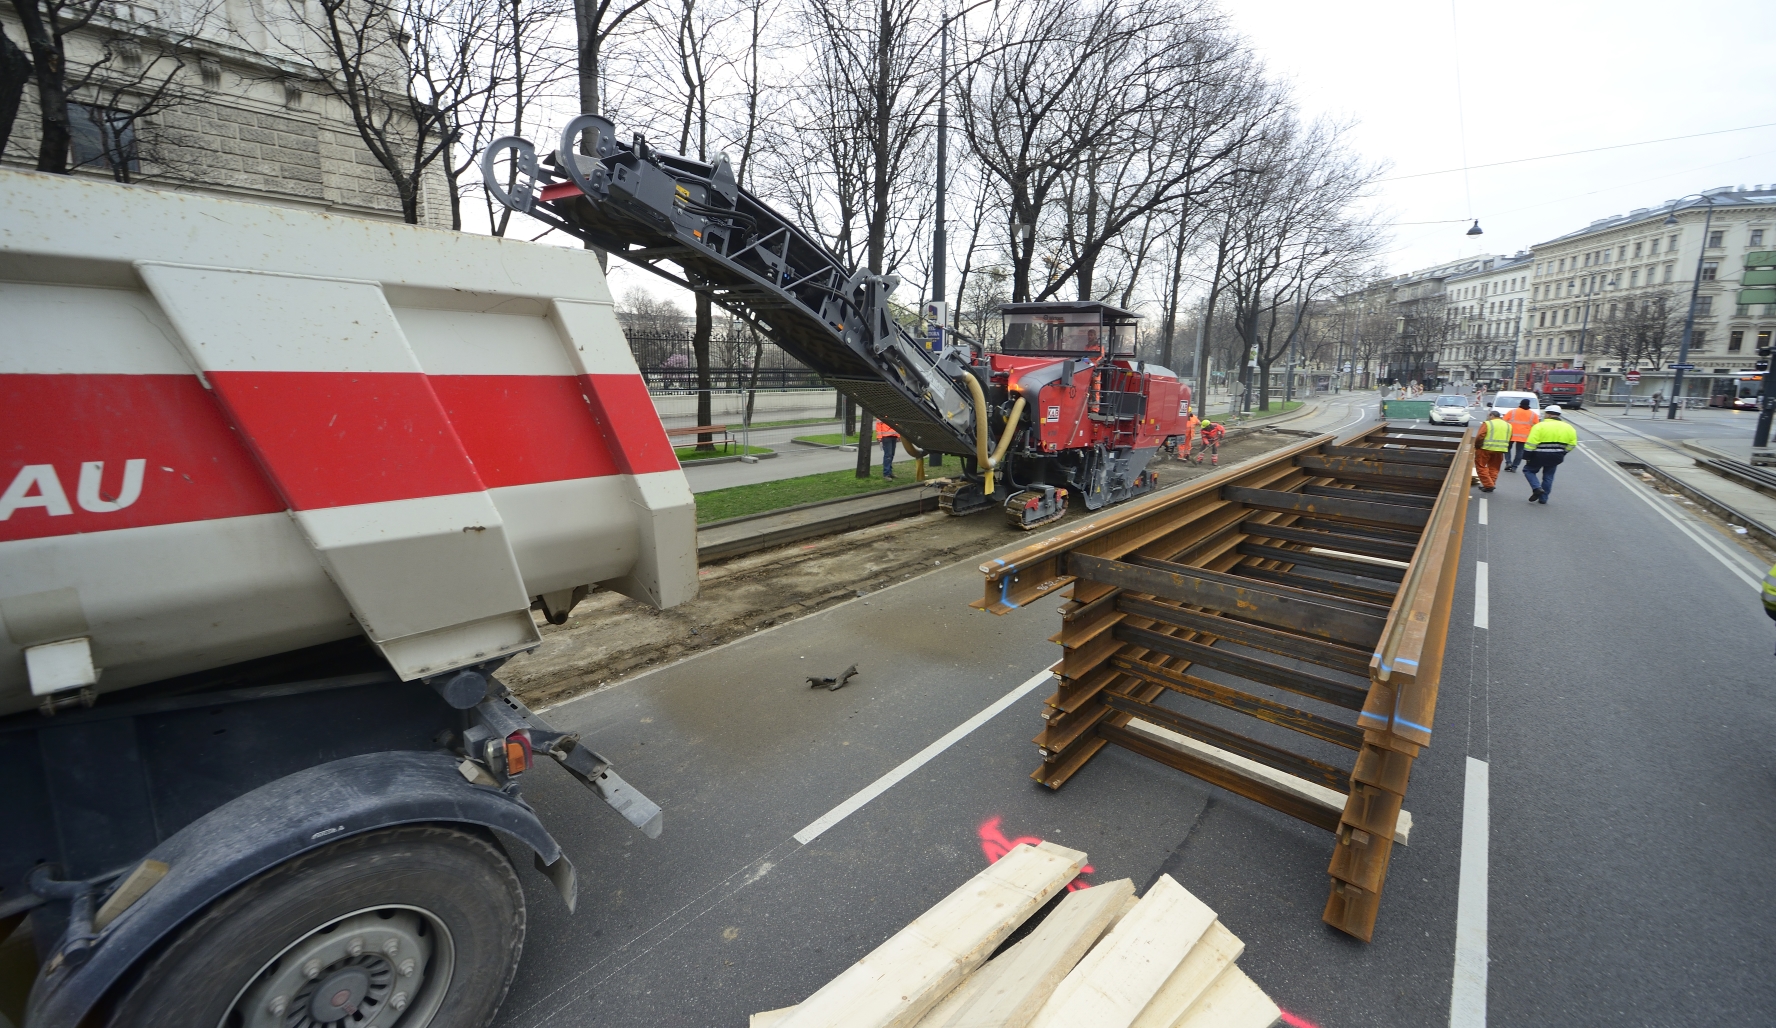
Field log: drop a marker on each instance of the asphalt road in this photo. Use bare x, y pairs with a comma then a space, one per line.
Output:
1619, 700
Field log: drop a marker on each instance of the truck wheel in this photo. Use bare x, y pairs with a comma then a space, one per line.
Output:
412, 927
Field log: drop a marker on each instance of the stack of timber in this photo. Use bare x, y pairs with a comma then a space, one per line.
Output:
1099, 959
1308, 592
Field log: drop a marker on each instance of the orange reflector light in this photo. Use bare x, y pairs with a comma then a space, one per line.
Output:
517, 753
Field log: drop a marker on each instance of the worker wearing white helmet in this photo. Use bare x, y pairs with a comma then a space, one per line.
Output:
1548, 444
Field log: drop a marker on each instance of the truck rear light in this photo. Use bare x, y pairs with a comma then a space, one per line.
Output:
518, 753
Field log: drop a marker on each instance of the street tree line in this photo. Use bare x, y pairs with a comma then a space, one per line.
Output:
1135, 152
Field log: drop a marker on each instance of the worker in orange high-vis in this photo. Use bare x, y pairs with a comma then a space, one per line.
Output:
889, 438
1212, 434
1522, 419
1186, 439
1490, 444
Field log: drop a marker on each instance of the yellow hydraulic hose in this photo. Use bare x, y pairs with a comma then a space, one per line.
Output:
990, 460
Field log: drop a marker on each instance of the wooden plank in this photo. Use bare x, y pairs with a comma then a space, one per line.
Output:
1280, 714
1303, 794
1305, 768
1249, 783
1292, 609
1013, 986
1325, 654
1329, 507
1346, 541
1233, 1001
1212, 955
1122, 974
904, 977
1325, 561
1303, 683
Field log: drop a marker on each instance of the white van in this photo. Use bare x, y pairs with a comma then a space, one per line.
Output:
1504, 401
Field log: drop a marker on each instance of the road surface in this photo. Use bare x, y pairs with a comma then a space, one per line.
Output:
1616, 707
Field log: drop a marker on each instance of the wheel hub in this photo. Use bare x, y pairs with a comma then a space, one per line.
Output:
363, 971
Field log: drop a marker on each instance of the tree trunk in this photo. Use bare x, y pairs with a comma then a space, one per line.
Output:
700, 348
15, 71
866, 434
52, 95
850, 416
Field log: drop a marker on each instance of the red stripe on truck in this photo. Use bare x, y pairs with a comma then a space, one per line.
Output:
335, 439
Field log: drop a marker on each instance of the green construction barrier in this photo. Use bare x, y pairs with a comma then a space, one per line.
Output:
1406, 410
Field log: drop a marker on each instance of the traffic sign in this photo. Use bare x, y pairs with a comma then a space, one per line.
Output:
1632, 376
1681, 367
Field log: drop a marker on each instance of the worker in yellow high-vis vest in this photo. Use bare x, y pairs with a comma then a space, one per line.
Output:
1770, 593
1490, 444
1548, 444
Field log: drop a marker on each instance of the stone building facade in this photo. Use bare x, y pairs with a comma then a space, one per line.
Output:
238, 121
1488, 307
1585, 283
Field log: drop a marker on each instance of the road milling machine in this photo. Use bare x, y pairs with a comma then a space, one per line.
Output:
1063, 409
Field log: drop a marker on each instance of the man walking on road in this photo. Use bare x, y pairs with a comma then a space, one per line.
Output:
1548, 444
888, 437
1490, 444
1522, 419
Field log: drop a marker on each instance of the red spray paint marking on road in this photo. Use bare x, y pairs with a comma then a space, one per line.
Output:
994, 845
1296, 1020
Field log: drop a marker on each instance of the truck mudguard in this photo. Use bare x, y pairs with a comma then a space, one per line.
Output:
259, 830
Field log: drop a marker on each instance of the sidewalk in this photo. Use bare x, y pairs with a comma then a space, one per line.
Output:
1677, 466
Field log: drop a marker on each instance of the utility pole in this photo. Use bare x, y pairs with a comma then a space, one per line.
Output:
1201, 366
1683, 348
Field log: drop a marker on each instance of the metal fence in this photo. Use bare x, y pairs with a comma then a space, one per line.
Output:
726, 380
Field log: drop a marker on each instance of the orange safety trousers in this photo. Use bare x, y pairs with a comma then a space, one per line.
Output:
1486, 465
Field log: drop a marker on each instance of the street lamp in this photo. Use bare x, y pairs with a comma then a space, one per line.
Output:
1683, 348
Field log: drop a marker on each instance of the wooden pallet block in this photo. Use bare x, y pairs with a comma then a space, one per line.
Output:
1123, 973
903, 978
1013, 986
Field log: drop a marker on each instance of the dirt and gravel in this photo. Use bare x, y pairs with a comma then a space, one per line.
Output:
610, 637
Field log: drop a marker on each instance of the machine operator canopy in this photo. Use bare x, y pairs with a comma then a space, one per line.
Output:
1074, 329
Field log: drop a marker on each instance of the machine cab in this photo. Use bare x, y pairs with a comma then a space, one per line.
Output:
1083, 328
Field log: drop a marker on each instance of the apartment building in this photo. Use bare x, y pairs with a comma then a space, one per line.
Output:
1487, 308
1614, 295
196, 98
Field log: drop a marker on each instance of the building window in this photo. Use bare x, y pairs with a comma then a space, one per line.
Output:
1634, 278
1735, 341
1637, 249
1704, 306
1757, 237
1669, 268
1622, 252
1698, 339
1654, 248
1709, 270
1671, 244
1763, 342
103, 138
1716, 238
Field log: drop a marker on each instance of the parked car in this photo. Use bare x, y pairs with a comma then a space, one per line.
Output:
1509, 398
1450, 409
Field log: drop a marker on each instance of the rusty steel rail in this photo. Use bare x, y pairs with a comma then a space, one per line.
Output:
1324, 573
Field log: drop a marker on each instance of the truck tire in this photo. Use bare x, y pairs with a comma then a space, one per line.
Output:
412, 927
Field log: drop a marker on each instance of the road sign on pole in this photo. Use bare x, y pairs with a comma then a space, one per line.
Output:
1681, 367
1632, 377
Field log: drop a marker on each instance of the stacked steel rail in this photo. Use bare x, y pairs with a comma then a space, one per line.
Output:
1324, 572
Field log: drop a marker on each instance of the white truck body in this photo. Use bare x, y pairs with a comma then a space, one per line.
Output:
229, 431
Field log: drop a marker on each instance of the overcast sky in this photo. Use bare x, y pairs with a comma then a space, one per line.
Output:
1538, 77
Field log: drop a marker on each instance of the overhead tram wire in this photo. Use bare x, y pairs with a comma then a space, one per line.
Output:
1465, 168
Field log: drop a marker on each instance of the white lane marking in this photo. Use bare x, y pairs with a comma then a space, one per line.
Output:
1481, 611
1748, 573
917, 760
1467, 996
1483, 510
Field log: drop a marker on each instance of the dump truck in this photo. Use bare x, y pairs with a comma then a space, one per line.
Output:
282, 492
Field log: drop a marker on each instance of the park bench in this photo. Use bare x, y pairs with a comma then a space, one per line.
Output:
719, 435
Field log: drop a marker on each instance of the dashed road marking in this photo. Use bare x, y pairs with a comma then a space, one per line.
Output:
1467, 996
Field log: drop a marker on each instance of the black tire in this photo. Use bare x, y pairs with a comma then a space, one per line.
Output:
462, 879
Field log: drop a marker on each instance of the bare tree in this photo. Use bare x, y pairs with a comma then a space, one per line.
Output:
1646, 329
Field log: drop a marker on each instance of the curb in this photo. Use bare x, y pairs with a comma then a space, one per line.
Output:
1752, 526
915, 500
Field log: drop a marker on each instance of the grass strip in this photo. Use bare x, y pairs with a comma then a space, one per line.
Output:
830, 439
741, 500
691, 453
